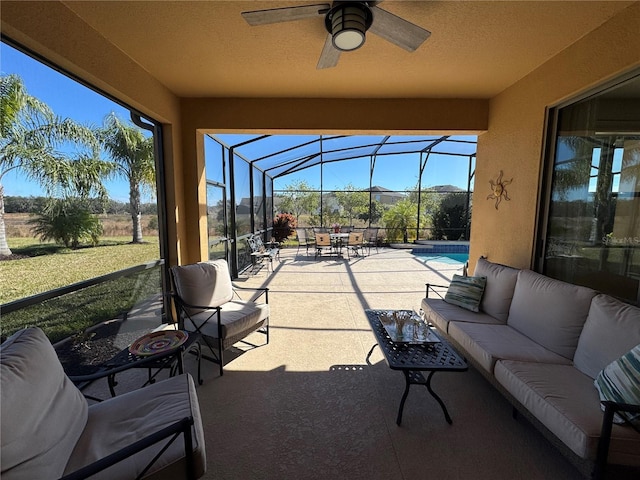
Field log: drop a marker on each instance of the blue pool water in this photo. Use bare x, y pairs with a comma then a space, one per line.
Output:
449, 258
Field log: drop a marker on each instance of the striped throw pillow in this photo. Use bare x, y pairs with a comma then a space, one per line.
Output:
620, 382
466, 292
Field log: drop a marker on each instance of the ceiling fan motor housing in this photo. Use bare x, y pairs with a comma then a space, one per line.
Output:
347, 23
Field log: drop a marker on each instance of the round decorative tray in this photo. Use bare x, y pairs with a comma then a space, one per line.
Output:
158, 342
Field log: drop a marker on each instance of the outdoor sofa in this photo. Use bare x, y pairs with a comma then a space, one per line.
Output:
49, 431
542, 342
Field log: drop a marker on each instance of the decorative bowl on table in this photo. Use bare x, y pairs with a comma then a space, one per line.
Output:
158, 342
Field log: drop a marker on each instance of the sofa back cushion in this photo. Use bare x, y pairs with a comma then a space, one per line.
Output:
612, 329
550, 312
43, 413
498, 291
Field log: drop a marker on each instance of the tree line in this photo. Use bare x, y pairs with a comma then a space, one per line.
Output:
96, 206
446, 214
70, 162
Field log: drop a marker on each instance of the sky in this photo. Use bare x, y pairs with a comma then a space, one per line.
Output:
68, 98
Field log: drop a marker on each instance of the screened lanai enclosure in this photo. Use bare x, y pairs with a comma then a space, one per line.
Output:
412, 188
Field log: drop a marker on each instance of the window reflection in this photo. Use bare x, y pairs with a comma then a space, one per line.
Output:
593, 233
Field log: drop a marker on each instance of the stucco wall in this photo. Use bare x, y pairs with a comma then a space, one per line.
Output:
44, 28
515, 137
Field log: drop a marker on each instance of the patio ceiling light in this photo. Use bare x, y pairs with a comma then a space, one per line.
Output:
347, 23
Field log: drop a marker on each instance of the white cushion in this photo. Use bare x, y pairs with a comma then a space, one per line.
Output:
498, 292
564, 400
125, 419
612, 329
441, 313
43, 413
487, 344
206, 284
549, 311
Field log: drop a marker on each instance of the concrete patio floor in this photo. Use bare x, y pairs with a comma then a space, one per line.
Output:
308, 405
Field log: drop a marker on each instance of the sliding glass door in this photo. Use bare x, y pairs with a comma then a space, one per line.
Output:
592, 225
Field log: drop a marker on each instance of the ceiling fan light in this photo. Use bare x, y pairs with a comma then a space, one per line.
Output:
349, 22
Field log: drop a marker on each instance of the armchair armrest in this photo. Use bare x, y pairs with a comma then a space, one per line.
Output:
172, 432
432, 287
263, 291
610, 408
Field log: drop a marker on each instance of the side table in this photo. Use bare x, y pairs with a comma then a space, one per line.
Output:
172, 359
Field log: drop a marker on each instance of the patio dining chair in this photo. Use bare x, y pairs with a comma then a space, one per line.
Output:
371, 238
304, 240
209, 303
355, 243
323, 243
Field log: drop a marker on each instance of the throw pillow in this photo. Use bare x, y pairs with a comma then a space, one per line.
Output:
620, 382
466, 292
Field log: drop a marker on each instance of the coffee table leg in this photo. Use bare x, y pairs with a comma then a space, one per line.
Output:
370, 352
407, 379
433, 394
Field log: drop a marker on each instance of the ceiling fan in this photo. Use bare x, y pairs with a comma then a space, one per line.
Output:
347, 24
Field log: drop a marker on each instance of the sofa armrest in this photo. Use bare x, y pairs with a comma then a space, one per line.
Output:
431, 287
172, 432
610, 408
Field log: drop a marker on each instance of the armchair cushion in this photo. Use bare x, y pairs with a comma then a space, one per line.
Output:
124, 419
43, 413
204, 284
236, 317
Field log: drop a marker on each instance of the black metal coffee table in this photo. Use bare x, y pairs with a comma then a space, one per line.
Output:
414, 358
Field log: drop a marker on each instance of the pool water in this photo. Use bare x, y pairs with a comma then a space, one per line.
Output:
448, 258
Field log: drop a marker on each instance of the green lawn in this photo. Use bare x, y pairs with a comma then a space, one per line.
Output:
49, 266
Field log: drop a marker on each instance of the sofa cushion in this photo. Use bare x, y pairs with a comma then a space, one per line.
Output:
612, 329
43, 413
440, 313
563, 400
549, 311
498, 293
466, 292
620, 382
125, 419
487, 344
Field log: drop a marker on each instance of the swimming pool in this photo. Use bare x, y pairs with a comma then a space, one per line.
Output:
448, 258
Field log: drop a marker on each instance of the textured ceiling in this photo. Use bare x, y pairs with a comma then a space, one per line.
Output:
476, 50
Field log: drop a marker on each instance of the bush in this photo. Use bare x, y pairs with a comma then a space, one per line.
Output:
67, 222
284, 225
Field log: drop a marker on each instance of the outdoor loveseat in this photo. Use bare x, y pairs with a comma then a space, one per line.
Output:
543, 343
49, 430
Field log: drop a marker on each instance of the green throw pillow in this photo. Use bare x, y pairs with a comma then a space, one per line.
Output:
620, 382
466, 292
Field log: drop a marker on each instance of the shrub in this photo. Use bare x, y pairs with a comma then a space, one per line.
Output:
67, 222
284, 225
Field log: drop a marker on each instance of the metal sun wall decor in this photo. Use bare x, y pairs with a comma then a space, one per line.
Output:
499, 190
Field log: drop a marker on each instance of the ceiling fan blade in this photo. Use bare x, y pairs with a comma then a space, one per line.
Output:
329, 56
396, 30
287, 14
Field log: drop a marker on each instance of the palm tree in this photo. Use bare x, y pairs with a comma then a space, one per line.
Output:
37, 142
133, 156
